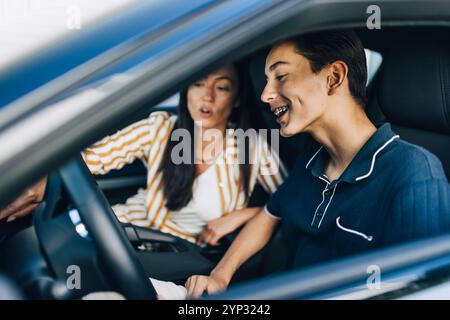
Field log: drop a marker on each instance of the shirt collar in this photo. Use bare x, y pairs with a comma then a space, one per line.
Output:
363, 163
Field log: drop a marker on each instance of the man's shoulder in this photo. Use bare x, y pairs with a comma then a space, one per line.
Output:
419, 194
416, 163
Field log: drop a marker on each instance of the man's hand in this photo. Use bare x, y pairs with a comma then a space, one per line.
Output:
197, 285
253, 237
25, 203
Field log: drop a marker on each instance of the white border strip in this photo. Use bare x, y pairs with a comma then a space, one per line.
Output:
269, 214
368, 238
315, 154
374, 157
323, 199
326, 208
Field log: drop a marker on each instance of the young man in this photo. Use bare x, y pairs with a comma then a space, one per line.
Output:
357, 187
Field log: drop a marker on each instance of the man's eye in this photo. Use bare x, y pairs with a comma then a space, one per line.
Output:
281, 77
197, 84
223, 88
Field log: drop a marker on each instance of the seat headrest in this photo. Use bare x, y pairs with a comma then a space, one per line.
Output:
413, 89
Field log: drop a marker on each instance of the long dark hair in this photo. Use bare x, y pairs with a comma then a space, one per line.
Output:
178, 179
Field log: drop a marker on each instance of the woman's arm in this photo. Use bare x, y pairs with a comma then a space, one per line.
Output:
112, 152
125, 146
220, 227
25, 203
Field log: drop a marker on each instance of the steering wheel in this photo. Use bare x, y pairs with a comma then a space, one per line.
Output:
124, 272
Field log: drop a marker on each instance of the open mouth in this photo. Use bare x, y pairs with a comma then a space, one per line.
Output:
205, 111
278, 112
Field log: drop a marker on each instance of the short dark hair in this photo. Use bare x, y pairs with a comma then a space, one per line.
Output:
323, 48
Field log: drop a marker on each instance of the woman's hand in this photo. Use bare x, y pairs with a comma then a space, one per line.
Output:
25, 203
218, 228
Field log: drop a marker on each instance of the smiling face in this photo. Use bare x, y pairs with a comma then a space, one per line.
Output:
212, 99
296, 95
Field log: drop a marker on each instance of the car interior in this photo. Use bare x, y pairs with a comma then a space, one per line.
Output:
411, 90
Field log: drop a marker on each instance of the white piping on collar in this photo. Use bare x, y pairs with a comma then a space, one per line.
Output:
323, 199
326, 208
368, 238
315, 154
323, 179
374, 158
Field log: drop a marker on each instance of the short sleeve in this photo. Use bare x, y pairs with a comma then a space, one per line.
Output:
273, 206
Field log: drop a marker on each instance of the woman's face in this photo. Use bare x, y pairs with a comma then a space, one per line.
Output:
212, 99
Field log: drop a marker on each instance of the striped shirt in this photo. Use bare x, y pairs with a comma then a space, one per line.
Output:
216, 191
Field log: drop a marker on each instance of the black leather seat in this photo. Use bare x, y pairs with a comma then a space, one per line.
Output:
412, 91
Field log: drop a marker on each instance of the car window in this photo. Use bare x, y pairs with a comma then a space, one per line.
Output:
170, 102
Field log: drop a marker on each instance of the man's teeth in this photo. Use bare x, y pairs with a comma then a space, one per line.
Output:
204, 110
280, 110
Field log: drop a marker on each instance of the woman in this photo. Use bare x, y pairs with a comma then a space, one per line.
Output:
204, 198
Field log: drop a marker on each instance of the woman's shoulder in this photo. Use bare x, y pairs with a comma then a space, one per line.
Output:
160, 124
162, 117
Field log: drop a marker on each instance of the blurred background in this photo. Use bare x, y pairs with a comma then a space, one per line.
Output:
26, 25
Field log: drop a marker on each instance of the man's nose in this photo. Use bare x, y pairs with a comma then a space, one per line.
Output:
269, 93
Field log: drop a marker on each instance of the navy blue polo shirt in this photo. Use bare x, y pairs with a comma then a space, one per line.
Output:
391, 192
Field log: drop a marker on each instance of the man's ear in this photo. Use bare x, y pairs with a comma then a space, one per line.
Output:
338, 71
